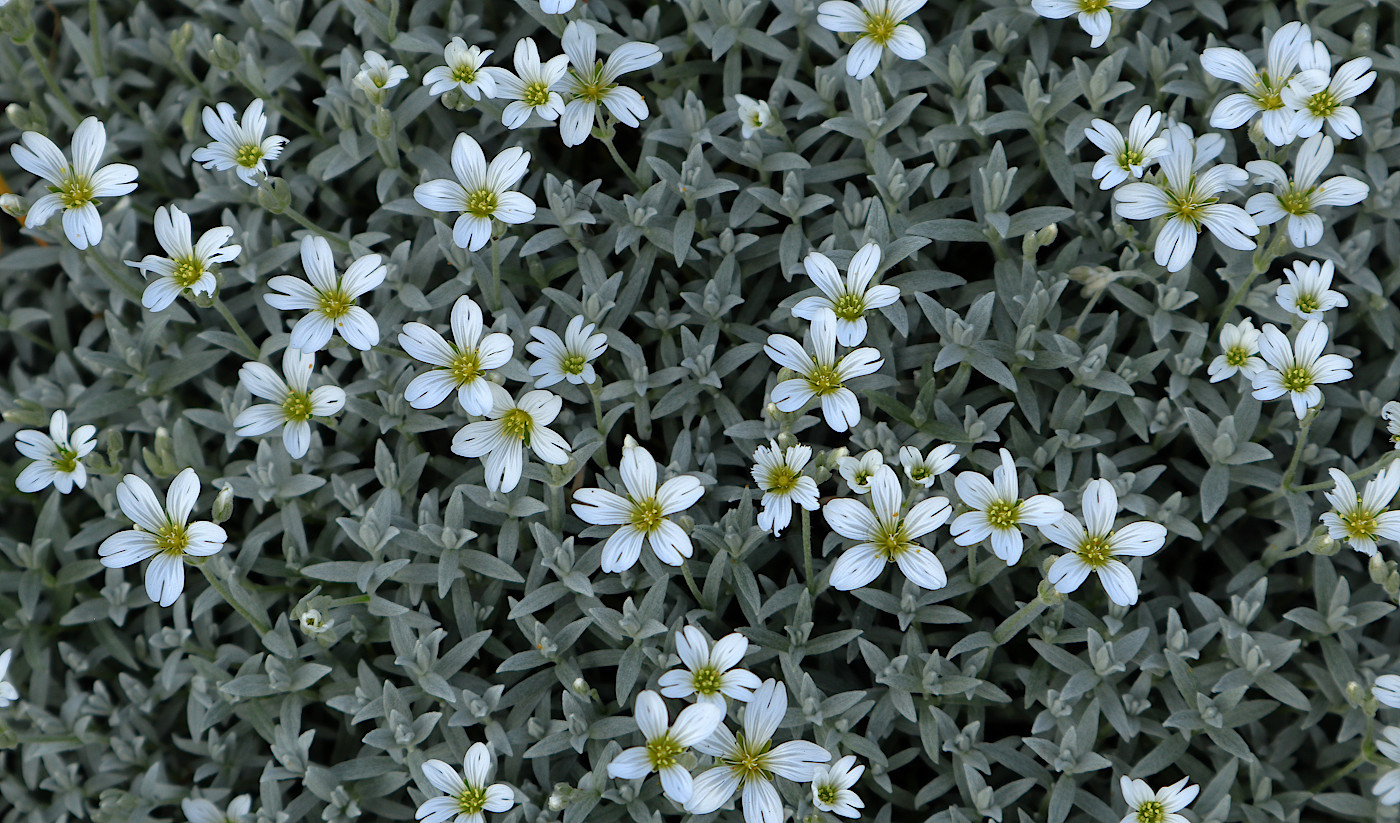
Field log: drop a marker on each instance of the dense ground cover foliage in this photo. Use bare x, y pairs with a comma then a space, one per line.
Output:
947, 410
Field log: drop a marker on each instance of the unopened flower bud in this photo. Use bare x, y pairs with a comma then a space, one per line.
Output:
275, 195
180, 39
381, 124
14, 205
223, 505
223, 54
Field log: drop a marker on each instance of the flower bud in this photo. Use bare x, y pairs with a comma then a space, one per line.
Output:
274, 195
223, 505
223, 54
14, 205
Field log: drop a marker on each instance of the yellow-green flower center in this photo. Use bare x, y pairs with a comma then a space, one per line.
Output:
1004, 514
573, 364
1359, 522
66, 461
1266, 94
1151, 812
75, 192
646, 515
463, 74
297, 406
1237, 356
1095, 551
1091, 6
827, 794
782, 479
662, 751
1189, 205
591, 87
1308, 303
849, 307
748, 760
880, 27
465, 367
248, 156
706, 680
920, 473
535, 94
1130, 158
482, 203
1324, 104
890, 539
471, 800
1297, 379
1296, 201
517, 424
172, 539
823, 380
187, 272
335, 304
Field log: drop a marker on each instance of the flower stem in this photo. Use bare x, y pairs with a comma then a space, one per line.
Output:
607, 140
222, 588
1263, 259
690, 583
1304, 426
253, 350
493, 293
1012, 626
807, 552
54, 88
305, 222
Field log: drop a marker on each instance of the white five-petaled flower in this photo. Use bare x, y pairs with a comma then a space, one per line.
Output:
1363, 519
8, 692
1387, 690
643, 515
1308, 292
1098, 548
467, 794
666, 742
754, 115
1124, 158
847, 300
1161, 806
330, 299
710, 674
831, 787
511, 425
1297, 200
377, 73
465, 71
998, 512
857, 471
239, 145
1298, 369
1094, 15
188, 268
591, 82
74, 188
534, 87
570, 358
162, 533
1390, 413
293, 404
1239, 352
887, 534
1318, 100
1189, 201
778, 473
463, 364
1289, 48
748, 761
481, 192
1387, 788
880, 24
58, 455
924, 471
822, 375
202, 811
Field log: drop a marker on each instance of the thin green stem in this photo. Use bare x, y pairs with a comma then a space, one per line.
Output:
222, 588
305, 222
1263, 259
95, 32
1020, 619
631, 173
493, 294
691, 584
1304, 427
223, 310
54, 88
1360, 474
807, 552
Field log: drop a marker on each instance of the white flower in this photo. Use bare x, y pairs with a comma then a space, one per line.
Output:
58, 456
1130, 157
666, 743
1318, 99
463, 364
754, 115
858, 471
1093, 14
568, 359
999, 512
512, 425
778, 473
1362, 520
1239, 352
556, 6
1390, 413
1161, 806
465, 71
1387, 690
1308, 292
1387, 788
239, 145
1188, 200
924, 471
747, 763
293, 404
188, 268
162, 533
591, 82
880, 24
1098, 548
329, 298
1299, 369
481, 192
467, 798
643, 515
8, 692
533, 87
887, 534
75, 188
377, 74
1263, 90
710, 674
1297, 200
823, 375
202, 811
848, 301
831, 787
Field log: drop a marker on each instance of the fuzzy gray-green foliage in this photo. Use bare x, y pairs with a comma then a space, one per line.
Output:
462, 616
